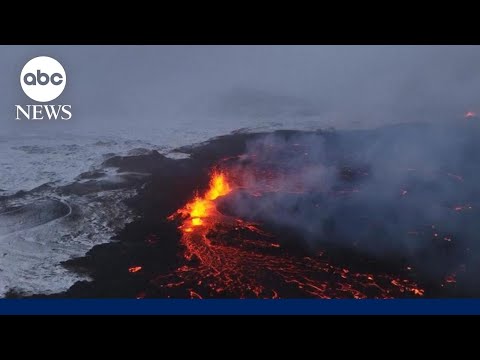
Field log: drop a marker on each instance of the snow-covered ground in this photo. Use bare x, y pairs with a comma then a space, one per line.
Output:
38, 231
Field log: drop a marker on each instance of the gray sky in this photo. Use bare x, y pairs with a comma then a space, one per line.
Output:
147, 85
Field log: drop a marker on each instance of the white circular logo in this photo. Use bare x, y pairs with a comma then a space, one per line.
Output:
43, 79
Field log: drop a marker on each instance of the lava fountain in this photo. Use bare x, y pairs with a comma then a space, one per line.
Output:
198, 215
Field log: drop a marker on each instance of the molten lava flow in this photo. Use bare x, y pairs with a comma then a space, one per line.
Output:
135, 269
226, 256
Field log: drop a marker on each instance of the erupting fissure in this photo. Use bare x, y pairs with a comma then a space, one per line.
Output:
201, 210
226, 256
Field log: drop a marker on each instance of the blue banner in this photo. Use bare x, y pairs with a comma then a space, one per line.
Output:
238, 307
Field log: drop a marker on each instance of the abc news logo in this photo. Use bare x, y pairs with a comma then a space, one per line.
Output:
43, 79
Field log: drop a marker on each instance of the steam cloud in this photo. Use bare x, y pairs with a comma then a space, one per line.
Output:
408, 191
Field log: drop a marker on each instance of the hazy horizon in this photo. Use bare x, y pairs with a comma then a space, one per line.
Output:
143, 87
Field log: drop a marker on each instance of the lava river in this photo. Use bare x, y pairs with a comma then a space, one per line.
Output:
224, 256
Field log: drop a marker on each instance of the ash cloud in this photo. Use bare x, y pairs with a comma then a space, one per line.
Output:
405, 191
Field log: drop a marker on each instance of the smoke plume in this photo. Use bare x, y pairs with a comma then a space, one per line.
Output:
406, 191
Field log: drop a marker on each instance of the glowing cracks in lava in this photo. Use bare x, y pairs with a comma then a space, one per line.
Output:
194, 295
134, 269
223, 266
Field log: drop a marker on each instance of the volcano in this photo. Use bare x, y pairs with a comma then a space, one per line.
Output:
384, 213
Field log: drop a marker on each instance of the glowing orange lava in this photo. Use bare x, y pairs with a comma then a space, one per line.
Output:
227, 256
218, 186
201, 209
134, 269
